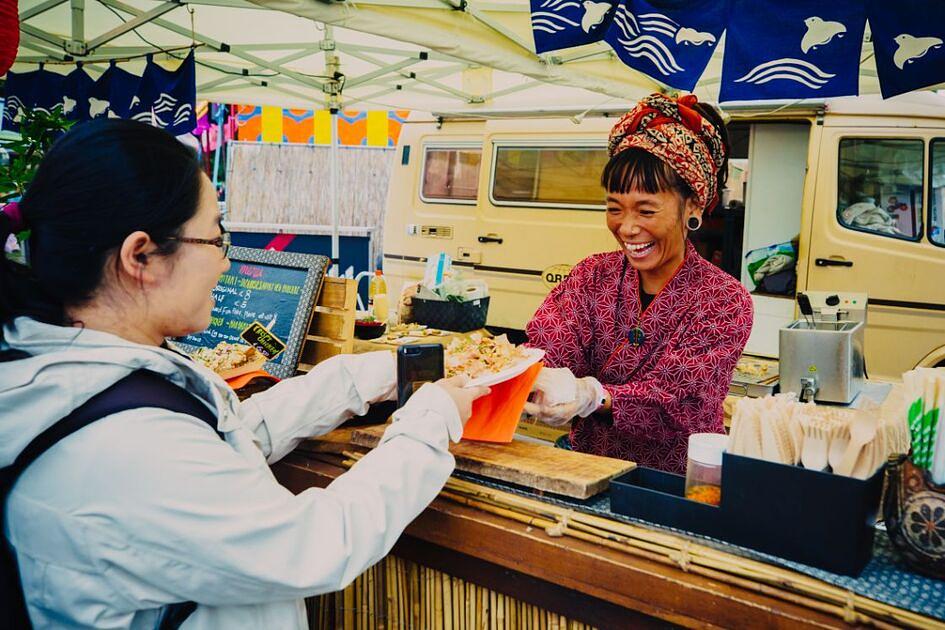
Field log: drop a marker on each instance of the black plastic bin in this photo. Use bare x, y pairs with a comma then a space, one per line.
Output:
815, 518
453, 316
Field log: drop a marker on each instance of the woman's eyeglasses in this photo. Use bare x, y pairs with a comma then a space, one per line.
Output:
222, 241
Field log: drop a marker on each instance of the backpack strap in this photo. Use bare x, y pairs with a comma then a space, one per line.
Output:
139, 389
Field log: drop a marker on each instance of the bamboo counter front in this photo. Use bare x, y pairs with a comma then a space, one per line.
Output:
482, 558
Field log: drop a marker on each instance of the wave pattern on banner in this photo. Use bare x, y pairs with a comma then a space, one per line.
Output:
790, 69
636, 44
560, 24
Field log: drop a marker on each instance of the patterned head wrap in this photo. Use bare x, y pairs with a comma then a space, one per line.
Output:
677, 134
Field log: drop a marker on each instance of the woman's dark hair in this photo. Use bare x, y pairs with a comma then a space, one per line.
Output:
636, 169
101, 181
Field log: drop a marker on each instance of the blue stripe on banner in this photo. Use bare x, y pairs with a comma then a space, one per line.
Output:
669, 41
909, 43
797, 49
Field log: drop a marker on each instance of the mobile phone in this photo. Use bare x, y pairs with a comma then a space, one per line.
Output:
417, 364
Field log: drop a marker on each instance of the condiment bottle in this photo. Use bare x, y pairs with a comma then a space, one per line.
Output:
704, 467
378, 304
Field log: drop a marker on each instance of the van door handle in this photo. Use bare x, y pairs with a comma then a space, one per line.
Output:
490, 238
832, 262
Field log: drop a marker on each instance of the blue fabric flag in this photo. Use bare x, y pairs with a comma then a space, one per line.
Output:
113, 92
160, 97
798, 49
560, 24
75, 94
668, 40
908, 38
39, 89
166, 98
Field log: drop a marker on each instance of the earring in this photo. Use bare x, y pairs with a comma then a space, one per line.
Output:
694, 223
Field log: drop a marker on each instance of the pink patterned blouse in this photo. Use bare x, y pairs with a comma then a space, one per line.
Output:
665, 389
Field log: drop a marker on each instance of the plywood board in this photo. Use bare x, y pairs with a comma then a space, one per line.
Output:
537, 466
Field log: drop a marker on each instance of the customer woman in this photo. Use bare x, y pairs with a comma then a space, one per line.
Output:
645, 338
146, 508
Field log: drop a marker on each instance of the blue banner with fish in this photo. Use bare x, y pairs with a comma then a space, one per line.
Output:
163, 98
774, 50
669, 41
909, 44
558, 24
800, 49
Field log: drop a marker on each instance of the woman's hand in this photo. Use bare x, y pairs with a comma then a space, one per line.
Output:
462, 396
559, 396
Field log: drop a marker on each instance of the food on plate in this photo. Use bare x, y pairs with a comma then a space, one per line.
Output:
402, 331
227, 356
476, 355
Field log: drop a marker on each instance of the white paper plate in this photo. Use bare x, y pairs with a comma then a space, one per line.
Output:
534, 356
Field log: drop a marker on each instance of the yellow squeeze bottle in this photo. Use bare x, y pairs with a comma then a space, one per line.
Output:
378, 303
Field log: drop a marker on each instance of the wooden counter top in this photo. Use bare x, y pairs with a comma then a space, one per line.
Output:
586, 581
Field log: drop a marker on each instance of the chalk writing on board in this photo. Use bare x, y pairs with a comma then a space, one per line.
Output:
251, 292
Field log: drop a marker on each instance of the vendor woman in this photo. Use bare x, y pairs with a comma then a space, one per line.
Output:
641, 342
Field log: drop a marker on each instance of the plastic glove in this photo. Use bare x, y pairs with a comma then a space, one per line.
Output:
589, 396
554, 386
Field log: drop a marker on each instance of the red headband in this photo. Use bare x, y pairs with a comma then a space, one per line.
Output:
673, 131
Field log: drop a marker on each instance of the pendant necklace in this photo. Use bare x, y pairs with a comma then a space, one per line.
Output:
635, 336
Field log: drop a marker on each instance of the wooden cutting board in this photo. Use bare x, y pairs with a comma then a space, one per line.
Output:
537, 466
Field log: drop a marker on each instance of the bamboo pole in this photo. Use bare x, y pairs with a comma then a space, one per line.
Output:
690, 556
860, 605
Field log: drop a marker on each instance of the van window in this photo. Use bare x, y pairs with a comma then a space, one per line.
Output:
937, 193
556, 176
450, 174
880, 186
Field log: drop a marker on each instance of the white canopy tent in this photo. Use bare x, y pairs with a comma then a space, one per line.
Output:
455, 56
426, 55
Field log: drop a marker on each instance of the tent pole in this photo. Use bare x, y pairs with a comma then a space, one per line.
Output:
335, 254
332, 67
216, 154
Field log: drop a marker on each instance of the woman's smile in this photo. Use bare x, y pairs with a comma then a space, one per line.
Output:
639, 251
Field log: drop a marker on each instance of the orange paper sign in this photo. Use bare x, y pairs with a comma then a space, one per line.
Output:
495, 417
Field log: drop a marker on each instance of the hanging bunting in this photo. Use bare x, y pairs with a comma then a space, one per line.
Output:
669, 41
558, 24
113, 93
909, 43
76, 87
160, 97
788, 50
166, 98
39, 89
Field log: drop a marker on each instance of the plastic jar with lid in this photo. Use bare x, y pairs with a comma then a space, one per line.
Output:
704, 467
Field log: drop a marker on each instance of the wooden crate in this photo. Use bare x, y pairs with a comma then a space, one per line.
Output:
331, 330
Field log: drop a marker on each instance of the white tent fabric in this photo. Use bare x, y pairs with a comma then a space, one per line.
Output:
426, 55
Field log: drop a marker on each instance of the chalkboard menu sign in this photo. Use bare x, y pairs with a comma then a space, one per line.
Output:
276, 289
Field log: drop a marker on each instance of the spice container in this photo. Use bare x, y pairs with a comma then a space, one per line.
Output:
704, 467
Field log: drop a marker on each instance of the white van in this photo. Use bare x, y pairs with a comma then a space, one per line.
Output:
858, 183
